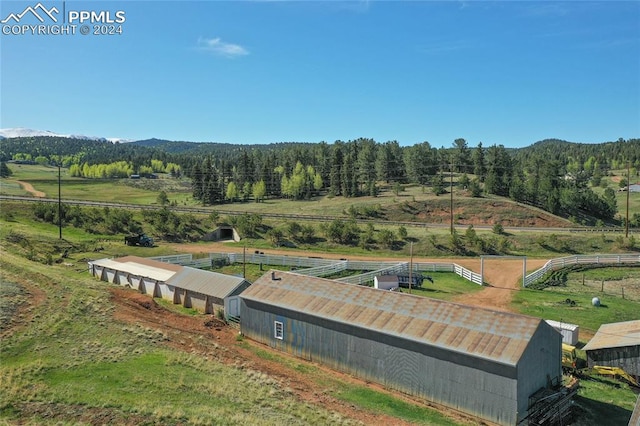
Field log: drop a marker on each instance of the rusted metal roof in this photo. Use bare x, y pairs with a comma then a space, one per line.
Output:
492, 335
615, 335
205, 282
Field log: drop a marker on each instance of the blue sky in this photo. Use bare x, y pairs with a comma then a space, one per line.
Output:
509, 73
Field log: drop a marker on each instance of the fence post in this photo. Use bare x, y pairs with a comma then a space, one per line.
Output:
602, 287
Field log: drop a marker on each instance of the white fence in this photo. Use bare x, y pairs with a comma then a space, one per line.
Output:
179, 259
561, 262
323, 271
274, 260
318, 267
367, 277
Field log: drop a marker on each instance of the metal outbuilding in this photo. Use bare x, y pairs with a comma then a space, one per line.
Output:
616, 345
570, 332
483, 362
386, 282
189, 287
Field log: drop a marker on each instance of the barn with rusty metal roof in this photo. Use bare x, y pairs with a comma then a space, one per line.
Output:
616, 345
192, 288
483, 362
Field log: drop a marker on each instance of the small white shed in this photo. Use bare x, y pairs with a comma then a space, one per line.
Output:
569, 332
386, 282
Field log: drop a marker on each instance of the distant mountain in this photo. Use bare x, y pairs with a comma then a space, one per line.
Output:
21, 132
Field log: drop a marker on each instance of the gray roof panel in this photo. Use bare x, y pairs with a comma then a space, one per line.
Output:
615, 335
205, 282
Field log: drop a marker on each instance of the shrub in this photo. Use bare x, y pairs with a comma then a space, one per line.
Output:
402, 232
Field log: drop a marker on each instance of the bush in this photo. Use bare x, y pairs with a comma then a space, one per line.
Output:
402, 232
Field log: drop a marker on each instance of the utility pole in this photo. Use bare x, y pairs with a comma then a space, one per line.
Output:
59, 206
626, 227
410, 266
244, 262
451, 192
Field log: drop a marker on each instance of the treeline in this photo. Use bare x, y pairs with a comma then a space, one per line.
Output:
555, 175
68, 151
561, 184
122, 169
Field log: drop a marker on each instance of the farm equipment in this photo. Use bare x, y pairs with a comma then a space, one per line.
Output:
569, 358
138, 240
570, 365
616, 372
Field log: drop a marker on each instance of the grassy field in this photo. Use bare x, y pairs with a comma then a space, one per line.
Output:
45, 179
551, 303
71, 362
58, 362
73, 356
410, 204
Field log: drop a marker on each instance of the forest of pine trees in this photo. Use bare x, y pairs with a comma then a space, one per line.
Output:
554, 175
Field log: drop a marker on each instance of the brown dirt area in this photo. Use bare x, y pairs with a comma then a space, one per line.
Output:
30, 189
209, 337
504, 276
206, 336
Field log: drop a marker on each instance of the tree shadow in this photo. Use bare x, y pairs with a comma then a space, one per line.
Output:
594, 412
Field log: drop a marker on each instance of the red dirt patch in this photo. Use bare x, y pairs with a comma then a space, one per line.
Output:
206, 336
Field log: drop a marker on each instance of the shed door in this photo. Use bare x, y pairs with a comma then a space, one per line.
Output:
234, 306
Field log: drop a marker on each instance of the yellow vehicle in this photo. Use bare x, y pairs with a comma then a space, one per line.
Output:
569, 358
570, 365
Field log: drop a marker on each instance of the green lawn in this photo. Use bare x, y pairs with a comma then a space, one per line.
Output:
74, 354
45, 179
445, 286
551, 304
602, 401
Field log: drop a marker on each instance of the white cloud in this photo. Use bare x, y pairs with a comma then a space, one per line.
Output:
219, 47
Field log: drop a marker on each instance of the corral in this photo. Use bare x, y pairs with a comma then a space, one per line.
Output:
190, 287
482, 362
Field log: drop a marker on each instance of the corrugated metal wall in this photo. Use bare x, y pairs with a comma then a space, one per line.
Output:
540, 364
626, 357
478, 387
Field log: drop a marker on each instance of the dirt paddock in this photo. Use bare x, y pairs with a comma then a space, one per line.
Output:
504, 275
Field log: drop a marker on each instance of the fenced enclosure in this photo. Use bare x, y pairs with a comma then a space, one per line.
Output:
318, 267
562, 262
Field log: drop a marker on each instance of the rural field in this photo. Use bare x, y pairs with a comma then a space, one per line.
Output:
78, 351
